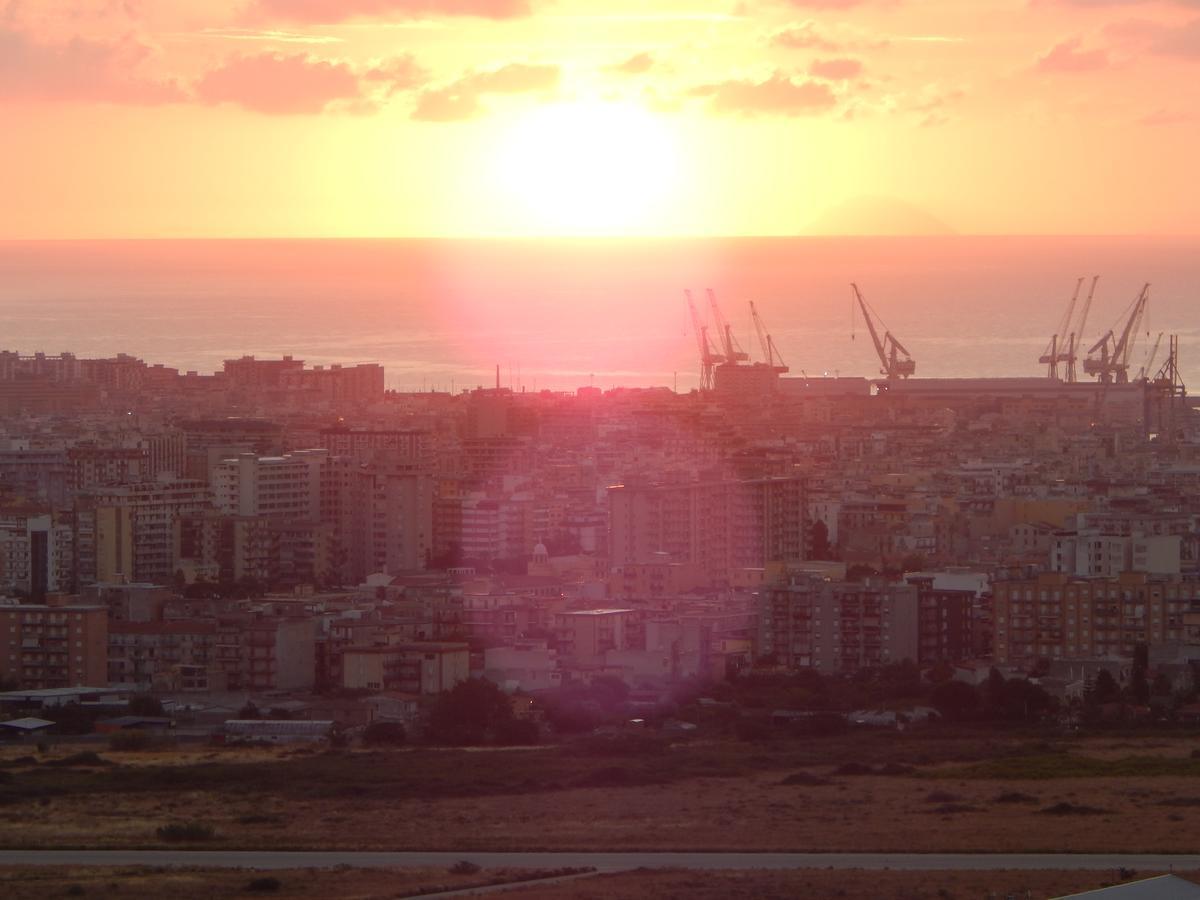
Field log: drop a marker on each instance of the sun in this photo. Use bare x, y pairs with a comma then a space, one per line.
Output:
588, 168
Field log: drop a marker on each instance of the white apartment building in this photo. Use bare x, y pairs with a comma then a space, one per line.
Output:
287, 486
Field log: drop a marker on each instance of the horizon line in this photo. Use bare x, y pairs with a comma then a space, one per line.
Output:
596, 237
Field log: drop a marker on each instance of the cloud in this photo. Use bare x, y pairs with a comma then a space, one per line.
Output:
278, 84
462, 99
330, 11
80, 71
638, 64
1181, 41
836, 69
776, 95
1069, 56
1166, 117
827, 4
1104, 4
808, 35
805, 36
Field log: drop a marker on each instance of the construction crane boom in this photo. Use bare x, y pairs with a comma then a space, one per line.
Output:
887, 348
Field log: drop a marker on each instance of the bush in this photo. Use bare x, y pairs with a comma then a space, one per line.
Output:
853, 768
808, 779
385, 733
1072, 809
1015, 797
136, 741
464, 867
186, 831
265, 885
86, 758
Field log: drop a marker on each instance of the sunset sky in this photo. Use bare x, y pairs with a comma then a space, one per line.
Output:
182, 118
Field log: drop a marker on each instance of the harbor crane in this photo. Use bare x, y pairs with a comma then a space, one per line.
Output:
888, 349
770, 353
709, 357
1112, 363
733, 352
1053, 354
1076, 338
1063, 348
1148, 366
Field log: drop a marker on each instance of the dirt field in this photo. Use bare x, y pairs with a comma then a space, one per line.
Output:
958, 796
377, 884
153, 883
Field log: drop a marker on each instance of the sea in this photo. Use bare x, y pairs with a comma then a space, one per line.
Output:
444, 314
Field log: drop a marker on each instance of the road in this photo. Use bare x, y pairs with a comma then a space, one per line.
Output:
605, 862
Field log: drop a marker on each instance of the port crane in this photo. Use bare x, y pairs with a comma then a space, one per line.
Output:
1076, 338
709, 357
769, 351
1148, 366
1064, 343
888, 349
1112, 363
733, 351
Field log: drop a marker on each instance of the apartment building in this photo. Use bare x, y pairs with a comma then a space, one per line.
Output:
127, 532
1058, 616
720, 525
53, 645
839, 627
284, 487
37, 553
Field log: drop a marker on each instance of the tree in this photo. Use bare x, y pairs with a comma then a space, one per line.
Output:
145, 705
249, 711
474, 711
386, 733
957, 701
820, 540
1139, 686
1106, 689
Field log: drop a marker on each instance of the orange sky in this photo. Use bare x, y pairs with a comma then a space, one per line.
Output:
181, 118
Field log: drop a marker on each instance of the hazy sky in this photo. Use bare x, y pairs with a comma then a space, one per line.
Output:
462, 117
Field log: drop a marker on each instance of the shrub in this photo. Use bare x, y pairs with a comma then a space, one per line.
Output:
264, 885
464, 867
86, 758
186, 831
1072, 809
1015, 797
853, 768
942, 797
386, 733
808, 779
135, 741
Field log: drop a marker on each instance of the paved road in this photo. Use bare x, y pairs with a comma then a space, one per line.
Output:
254, 859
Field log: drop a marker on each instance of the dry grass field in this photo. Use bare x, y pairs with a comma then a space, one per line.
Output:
141, 883
961, 792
